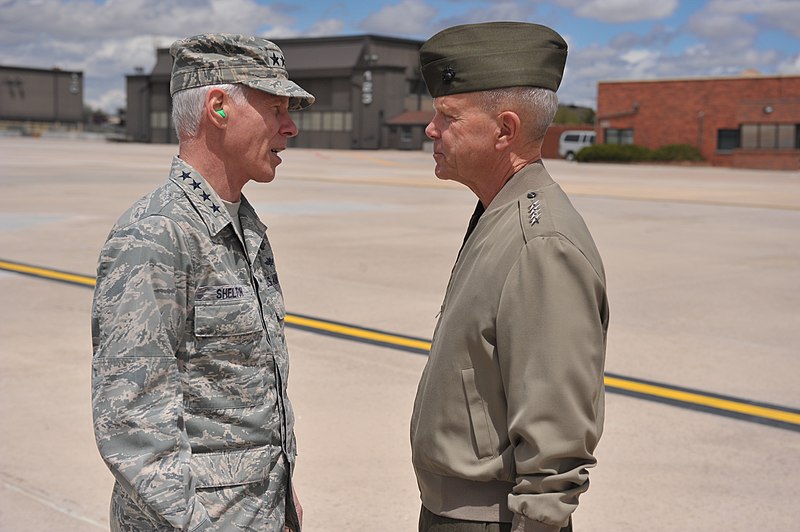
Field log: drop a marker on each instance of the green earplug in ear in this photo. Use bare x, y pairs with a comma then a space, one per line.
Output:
221, 113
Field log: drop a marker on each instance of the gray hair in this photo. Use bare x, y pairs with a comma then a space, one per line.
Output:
536, 106
187, 106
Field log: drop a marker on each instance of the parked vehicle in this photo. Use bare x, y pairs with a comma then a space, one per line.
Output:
572, 141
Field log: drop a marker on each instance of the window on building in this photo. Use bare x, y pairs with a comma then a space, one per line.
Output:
314, 121
327, 121
618, 136
750, 136
159, 120
337, 121
727, 139
323, 120
787, 136
770, 136
406, 135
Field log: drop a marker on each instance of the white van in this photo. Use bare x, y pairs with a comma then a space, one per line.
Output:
571, 143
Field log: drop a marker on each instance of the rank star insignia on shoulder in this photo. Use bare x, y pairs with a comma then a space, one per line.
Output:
534, 208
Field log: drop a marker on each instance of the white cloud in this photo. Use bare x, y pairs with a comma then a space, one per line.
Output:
109, 101
790, 65
641, 63
116, 19
779, 14
108, 40
409, 17
621, 10
325, 27
658, 36
495, 11
723, 27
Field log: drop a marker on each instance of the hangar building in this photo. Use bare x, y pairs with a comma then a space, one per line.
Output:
369, 94
34, 100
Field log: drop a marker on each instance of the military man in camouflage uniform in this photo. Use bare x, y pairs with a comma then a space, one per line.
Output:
190, 365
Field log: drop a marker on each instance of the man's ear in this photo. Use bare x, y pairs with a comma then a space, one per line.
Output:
215, 108
508, 129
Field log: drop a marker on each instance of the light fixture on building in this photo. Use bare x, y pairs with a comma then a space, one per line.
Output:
767, 109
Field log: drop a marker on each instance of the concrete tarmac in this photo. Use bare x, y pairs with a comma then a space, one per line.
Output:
703, 269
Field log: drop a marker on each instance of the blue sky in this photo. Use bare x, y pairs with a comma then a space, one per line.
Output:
608, 39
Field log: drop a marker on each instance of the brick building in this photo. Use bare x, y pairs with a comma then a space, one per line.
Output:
750, 121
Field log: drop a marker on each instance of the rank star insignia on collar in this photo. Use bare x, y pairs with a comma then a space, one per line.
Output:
206, 196
214, 207
185, 175
195, 184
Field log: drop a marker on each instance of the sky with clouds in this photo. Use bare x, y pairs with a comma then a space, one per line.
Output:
608, 39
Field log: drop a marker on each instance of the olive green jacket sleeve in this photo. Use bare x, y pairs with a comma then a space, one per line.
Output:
552, 371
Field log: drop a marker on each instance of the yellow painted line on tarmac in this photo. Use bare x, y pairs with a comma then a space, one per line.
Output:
47, 273
358, 332
762, 413
699, 399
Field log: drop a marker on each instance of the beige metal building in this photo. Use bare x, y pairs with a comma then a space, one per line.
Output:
33, 100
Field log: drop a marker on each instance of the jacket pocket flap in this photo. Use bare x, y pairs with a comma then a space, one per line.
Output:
233, 468
230, 318
477, 414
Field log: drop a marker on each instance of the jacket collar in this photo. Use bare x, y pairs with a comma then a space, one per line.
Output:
211, 209
532, 177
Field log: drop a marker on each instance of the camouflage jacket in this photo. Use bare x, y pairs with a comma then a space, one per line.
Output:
190, 363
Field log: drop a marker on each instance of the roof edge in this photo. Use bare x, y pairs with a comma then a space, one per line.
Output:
744, 77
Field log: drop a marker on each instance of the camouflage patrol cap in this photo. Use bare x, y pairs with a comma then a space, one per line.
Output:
492, 55
218, 58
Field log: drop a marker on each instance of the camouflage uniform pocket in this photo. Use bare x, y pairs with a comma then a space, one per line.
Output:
229, 366
243, 490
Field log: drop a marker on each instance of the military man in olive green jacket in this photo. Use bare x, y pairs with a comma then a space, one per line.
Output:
509, 408
190, 366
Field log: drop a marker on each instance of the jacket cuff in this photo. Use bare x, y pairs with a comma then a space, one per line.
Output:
520, 523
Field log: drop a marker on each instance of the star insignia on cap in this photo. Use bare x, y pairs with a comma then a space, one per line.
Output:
448, 74
277, 59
